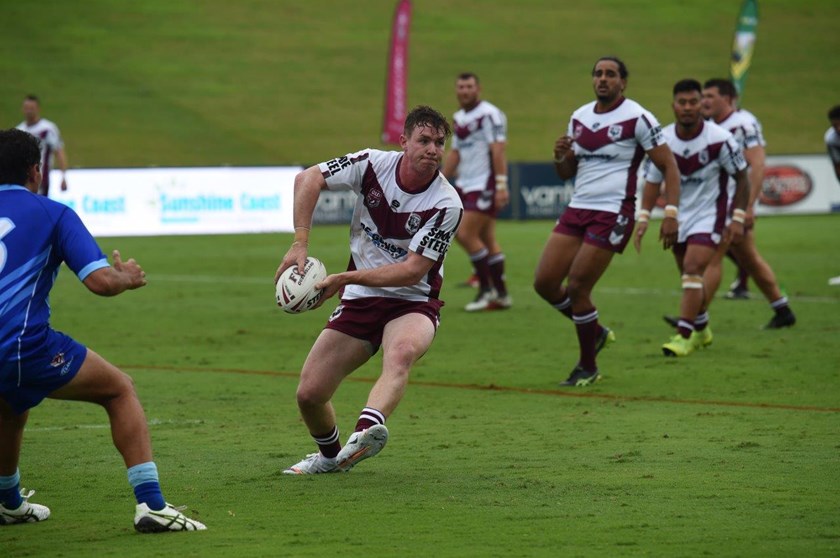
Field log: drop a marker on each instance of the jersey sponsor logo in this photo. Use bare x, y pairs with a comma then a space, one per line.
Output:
395, 204
412, 225
785, 185
437, 240
393, 250
340, 163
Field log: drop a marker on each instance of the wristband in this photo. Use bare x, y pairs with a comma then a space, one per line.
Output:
644, 216
303, 227
501, 183
671, 211
303, 243
560, 161
739, 216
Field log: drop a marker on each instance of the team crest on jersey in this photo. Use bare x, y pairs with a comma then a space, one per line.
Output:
373, 198
614, 132
579, 129
412, 225
57, 360
703, 157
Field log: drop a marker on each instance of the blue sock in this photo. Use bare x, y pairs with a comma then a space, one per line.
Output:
143, 478
10, 491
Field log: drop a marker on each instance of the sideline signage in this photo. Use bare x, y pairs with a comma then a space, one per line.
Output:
170, 201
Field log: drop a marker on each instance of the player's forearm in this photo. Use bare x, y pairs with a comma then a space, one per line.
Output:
308, 186
61, 158
450, 164
401, 274
649, 195
107, 281
742, 191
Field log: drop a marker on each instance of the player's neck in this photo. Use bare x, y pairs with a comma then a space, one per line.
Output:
606, 105
468, 107
724, 115
689, 131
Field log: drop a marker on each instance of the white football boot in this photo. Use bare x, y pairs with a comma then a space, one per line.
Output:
482, 302
168, 519
27, 512
362, 445
313, 464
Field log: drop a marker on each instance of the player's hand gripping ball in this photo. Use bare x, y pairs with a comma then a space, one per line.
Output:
296, 292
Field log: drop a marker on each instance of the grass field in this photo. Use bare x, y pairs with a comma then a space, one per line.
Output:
730, 452
258, 82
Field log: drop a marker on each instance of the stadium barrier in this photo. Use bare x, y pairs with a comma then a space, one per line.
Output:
226, 200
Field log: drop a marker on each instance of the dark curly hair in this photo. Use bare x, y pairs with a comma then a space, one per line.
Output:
424, 115
18, 152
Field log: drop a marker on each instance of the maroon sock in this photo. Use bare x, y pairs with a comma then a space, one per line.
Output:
328, 443
369, 417
588, 329
496, 264
482, 268
565, 306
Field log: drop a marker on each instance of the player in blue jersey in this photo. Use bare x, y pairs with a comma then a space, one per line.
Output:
36, 235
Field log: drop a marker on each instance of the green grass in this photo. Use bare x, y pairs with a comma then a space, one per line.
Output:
730, 452
281, 82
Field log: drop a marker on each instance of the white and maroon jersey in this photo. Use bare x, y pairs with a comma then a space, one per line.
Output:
474, 132
609, 148
747, 131
745, 127
48, 136
832, 143
706, 161
389, 221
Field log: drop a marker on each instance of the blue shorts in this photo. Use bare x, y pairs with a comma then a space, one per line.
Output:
25, 383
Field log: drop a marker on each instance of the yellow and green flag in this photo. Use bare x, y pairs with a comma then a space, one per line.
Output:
743, 44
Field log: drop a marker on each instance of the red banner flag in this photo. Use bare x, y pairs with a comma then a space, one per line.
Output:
396, 85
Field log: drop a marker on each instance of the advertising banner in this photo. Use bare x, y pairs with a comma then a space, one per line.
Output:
168, 201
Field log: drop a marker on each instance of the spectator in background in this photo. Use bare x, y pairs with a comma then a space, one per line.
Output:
36, 236
478, 161
832, 139
703, 151
603, 149
52, 148
719, 106
406, 216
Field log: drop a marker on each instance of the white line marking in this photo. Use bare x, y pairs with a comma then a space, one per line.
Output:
632, 291
153, 422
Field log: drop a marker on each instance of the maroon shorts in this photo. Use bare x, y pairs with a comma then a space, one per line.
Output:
700, 239
482, 201
366, 318
604, 229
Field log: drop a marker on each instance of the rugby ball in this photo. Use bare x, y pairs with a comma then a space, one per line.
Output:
295, 291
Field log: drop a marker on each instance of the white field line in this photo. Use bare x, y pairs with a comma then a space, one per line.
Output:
153, 422
631, 291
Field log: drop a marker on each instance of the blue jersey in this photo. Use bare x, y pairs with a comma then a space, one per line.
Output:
36, 235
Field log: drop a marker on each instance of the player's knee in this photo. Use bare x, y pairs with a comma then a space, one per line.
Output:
545, 287
578, 290
309, 396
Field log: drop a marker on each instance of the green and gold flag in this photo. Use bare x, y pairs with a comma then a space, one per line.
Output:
743, 44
